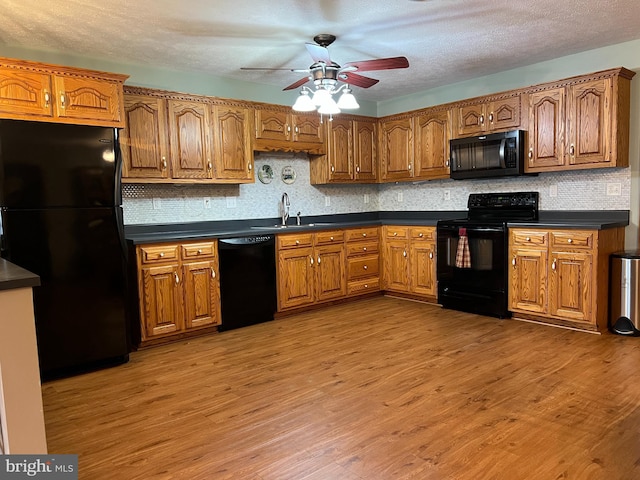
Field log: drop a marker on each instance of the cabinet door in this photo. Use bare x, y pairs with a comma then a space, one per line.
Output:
190, 140
330, 266
365, 151
423, 268
161, 294
546, 130
432, 145
396, 139
88, 99
590, 122
396, 266
340, 149
503, 114
570, 285
471, 119
201, 294
307, 129
144, 142
233, 154
25, 94
272, 125
528, 280
296, 283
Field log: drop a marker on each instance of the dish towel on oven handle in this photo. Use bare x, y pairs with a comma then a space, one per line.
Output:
463, 255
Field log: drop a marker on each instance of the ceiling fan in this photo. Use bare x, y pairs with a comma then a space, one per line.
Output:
325, 73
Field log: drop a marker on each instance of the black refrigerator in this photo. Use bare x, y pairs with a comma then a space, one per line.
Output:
61, 218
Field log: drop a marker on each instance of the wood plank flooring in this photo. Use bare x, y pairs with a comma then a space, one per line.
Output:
378, 389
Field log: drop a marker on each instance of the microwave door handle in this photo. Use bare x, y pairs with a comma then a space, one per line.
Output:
503, 144
454, 160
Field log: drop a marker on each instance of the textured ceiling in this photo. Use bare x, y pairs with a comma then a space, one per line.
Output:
445, 40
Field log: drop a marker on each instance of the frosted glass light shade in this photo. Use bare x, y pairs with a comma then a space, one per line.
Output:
321, 96
304, 103
329, 107
347, 101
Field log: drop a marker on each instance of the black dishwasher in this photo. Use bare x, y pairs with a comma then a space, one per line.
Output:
247, 280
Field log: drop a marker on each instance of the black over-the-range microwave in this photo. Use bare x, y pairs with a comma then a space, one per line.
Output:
492, 155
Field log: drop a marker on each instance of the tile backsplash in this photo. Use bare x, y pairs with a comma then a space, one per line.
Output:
154, 203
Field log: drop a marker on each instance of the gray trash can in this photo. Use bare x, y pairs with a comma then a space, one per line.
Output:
624, 300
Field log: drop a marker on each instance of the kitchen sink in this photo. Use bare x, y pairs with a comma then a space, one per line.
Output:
293, 226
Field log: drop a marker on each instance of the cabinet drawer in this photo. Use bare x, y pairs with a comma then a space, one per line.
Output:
572, 239
330, 237
158, 253
529, 237
198, 250
354, 235
396, 232
363, 286
362, 248
423, 233
294, 240
361, 267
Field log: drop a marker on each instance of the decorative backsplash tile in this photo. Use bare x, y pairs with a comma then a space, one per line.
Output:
153, 203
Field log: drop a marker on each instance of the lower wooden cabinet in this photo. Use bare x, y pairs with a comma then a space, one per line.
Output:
562, 276
363, 260
178, 288
310, 268
410, 260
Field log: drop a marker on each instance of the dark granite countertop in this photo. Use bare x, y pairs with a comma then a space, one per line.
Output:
137, 234
13, 276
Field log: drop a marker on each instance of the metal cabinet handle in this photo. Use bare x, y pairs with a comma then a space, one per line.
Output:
333, 169
213, 273
395, 234
364, 249
209, 166
249, 166
164, 163
513, 262
447, 162
177, 278
530, 153
553, 265
481, 120
572, 150
528, 239
358, 169
409, 167
404, 253
421, 235
364, 234
431, 255
62, 100
570, 241
365, 267
161, 254
331, 238
297, 242
311, 259
491, 117
296, 129
47, 98
318, 260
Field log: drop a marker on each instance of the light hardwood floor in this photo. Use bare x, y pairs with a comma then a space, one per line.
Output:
376, 389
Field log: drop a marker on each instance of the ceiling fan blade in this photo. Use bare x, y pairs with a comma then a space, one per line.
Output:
297, 84
318, 53
377, 64
299, 70
357, 80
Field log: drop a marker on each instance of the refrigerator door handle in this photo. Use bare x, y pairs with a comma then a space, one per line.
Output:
117, 213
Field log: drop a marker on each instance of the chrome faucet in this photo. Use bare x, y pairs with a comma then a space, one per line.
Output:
284, 208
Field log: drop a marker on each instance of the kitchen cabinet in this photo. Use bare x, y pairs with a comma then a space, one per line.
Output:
178, 287
145, 141
52, 93
351, 153
410, 260
279, 129
396, 149
363, 260
432, 132
561, 276
310, 268
176, 138
583, 124
489, 114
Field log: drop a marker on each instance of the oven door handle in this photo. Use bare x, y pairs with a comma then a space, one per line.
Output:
503, 145
470, 229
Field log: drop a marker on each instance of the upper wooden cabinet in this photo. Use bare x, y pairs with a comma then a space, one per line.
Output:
488, 115
51, 93
580, 123
432, 132
185, 139
281, 129
396, 149
351, 153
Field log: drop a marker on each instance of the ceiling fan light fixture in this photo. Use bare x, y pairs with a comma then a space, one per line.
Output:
321, 96
304, 103
329, 107
347, 101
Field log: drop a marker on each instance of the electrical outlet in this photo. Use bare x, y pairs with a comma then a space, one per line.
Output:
157, 204
366, 198
447, 195
327, 201
400, 197
614, 189
231, 202
553, 190
207, 202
